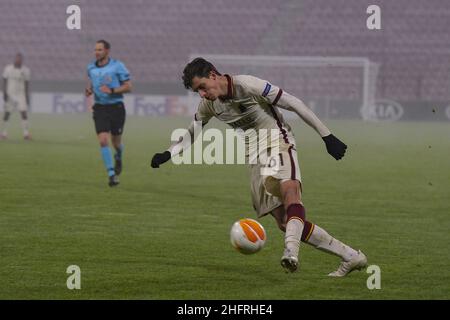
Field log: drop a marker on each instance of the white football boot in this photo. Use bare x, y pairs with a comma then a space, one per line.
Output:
289, 261
357, 263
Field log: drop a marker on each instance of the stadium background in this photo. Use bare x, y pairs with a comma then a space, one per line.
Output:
163, 234
156, 38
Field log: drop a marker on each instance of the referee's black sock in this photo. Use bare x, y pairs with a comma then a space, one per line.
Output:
119, 152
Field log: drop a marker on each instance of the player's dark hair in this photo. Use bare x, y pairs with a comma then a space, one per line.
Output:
106, 44
198, 67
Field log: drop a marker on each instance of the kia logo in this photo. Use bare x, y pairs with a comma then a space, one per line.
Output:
383, 110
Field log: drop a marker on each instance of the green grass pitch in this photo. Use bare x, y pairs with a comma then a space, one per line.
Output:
164, 234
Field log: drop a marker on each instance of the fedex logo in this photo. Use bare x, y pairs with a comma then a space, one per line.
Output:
68, 103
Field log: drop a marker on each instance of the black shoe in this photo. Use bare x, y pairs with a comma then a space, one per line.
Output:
113, 181
118, 166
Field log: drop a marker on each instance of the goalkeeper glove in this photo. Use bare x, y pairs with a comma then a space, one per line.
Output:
160, 158
335, 147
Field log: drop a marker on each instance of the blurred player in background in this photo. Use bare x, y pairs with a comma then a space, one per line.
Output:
109, 79
16, 79
246, 102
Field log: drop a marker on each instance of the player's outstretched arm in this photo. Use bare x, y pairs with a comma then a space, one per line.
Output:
201, 118
335, 147
276, 97
176, 148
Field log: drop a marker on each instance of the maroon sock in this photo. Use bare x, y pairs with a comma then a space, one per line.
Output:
297, 211
307, 230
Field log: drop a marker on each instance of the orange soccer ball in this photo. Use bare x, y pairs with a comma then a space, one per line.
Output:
247, 236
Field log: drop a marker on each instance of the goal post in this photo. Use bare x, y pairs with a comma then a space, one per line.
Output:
334, 87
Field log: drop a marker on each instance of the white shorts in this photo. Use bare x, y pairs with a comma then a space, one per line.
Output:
18, 103
266, 178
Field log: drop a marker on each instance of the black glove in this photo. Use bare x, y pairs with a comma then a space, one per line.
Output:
335, 147
160, 158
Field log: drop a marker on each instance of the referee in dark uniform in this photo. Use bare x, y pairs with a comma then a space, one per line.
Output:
109, 79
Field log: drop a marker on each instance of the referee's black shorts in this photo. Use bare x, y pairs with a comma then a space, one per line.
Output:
109, 118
